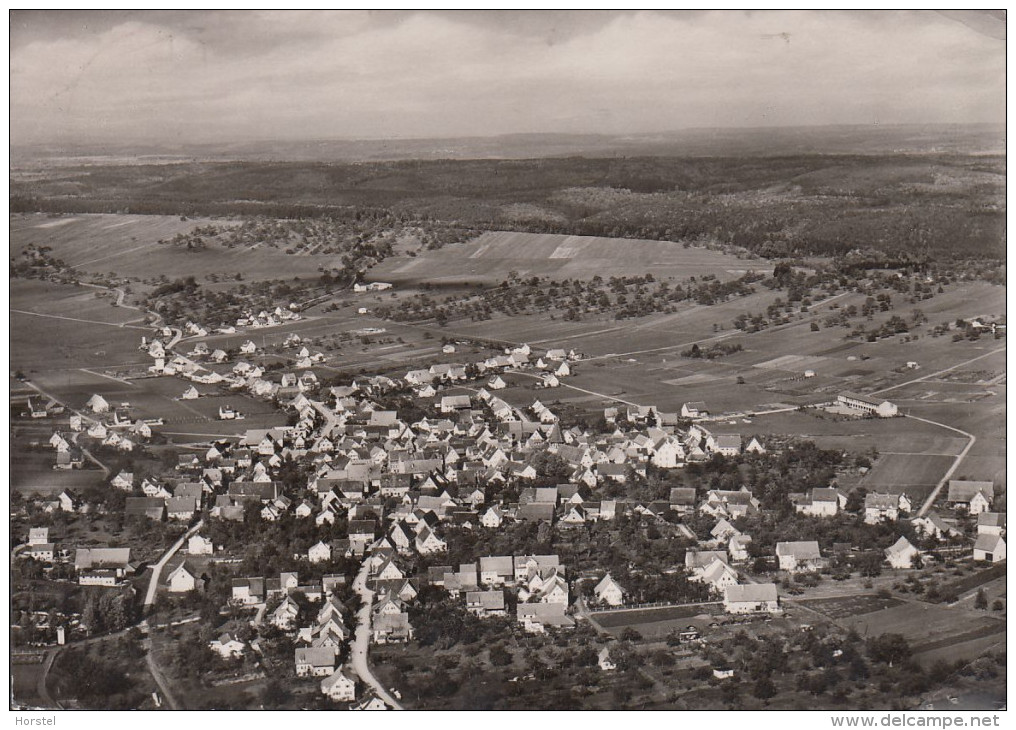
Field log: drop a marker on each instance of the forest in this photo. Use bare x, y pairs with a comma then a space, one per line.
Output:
941, 205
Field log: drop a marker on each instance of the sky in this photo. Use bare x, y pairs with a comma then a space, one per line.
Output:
241, 76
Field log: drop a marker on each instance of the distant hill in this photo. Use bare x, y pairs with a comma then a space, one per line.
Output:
727, 142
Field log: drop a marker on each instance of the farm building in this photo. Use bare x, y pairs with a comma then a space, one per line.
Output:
975, 497
874, 406
990, 548
696, 409
184, 579
751, 598
799, 556
990, 523
932, 525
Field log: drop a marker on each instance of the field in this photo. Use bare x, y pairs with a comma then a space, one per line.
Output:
655, 623
57, 326
129, 246
914, 474
932, 627
489, 258
848, 606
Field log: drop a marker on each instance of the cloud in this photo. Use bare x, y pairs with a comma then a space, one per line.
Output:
214, 76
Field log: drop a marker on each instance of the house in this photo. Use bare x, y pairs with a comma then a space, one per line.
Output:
798, 556
248, 591
123, 480
608, 591
340, 686
227, 646
97, 404
492, 517
682, 499
990, 548
452, 403
190, 394
754, 446
180, 508
974, 496
730, 504
821, 503
603, 660
184, 579
391, 628
696, 409
727, 444
69, 501
932, 525
314, 661
738, 547
751, 598
536, 618
198, 545
285, 614
884, 507
320, 552
866, 404
153, 508
901, 554
496, 570
485, 603
990, 523
717, 574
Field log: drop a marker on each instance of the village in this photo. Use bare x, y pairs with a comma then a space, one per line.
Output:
383, 510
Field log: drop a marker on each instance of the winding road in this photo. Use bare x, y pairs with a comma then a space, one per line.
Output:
361, 642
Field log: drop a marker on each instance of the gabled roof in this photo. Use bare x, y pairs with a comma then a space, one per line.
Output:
963, 491
988, 543
801, 550
750, 593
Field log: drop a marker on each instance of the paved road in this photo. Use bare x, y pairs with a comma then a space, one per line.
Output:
361, 642
952, 469
153, 584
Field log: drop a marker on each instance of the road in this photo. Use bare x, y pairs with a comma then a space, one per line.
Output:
361, 642
938, 372
952, 469
41, 686
160, 679
153, 584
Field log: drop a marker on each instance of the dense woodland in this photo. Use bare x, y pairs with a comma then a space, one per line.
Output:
942, 205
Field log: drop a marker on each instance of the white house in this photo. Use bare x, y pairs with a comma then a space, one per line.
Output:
320, 552
227, 646
798, 556
609, 592
751, 598
901, 554
198, 545
339, 686
990, 548
183, 579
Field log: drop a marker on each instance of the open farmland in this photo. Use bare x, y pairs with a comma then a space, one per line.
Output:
931, 627
489, 258
56, 326
128, 245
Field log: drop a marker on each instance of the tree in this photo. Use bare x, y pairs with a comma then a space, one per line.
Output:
499, 656
981, 600
814, 327
889, 649
764, 688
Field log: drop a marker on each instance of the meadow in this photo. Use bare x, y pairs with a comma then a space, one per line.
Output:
128, 246
488, 258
